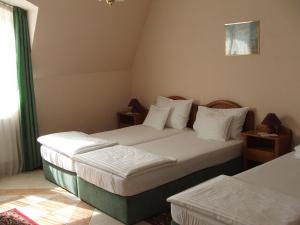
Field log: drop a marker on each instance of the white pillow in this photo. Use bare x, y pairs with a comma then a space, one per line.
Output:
157, 117
180, 111
238, 120
212, 125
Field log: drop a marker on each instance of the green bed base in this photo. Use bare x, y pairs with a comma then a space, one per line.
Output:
61, 177
174, 223
132, 209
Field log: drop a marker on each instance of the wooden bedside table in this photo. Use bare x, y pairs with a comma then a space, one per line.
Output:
262, 149
126, 119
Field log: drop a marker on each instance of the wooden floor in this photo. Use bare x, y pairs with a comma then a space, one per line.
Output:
48, 204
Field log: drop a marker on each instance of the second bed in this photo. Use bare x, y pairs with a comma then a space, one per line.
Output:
278, 179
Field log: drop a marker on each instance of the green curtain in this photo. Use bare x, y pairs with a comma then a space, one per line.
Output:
28, 119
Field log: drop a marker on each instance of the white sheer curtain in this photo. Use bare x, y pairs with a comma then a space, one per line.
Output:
10, 160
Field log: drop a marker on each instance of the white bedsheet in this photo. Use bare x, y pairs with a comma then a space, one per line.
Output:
125, 136
232, 201
191, 152
134, 135
125, 161
58, 159
281, 175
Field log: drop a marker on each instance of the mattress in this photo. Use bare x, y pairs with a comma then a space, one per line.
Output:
192, 154
137, 134
125, 136
57, 159
281, 175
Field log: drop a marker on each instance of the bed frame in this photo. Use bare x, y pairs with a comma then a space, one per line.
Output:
219, 104
132, 209
61, 177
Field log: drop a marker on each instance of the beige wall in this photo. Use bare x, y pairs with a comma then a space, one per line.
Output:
181, 52
85, 102
82, 54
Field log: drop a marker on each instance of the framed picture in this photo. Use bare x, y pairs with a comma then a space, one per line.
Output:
242, 38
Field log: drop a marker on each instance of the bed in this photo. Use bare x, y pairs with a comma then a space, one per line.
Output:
280, 175
59, 168
134, 199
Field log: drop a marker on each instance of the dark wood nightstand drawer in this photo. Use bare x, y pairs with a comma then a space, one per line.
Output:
259, 155
126, 119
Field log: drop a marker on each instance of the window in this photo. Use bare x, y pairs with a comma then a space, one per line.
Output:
9, 97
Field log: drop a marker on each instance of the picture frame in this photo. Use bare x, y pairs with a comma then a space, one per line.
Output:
242, 38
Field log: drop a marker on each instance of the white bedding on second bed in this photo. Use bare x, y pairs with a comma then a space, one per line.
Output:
125, 136
281, 175
191, 152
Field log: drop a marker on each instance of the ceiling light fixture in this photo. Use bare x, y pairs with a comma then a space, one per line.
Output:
111, 2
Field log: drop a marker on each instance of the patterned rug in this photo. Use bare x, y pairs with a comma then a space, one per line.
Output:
162, 219
15, 217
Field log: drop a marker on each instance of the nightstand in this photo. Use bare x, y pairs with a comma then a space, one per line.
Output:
126, 119
261, 149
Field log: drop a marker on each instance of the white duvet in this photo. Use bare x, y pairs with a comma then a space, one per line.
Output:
228, 200
192, 154
124, 161
73, 142
137, 134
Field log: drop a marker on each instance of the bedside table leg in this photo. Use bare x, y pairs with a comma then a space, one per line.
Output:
245, 163
245, 146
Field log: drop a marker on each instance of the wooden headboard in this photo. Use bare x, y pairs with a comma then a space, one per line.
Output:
219, 104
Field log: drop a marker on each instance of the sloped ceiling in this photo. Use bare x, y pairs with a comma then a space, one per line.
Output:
85, 36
